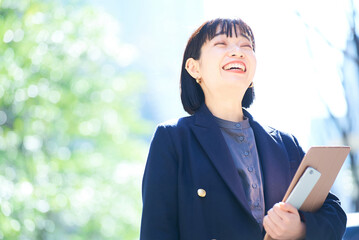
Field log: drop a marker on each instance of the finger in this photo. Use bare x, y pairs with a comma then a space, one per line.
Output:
283, 214
274, 217
269, 227
288, 207
277, 223
287, 211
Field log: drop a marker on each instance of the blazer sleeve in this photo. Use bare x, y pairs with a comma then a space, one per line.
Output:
329, 222
159, 190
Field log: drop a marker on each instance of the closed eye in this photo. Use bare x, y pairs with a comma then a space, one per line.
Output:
219, 43
248, 46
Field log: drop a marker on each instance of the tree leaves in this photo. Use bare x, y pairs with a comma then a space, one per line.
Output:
72, 140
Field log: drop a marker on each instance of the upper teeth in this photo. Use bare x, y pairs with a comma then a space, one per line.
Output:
235, 65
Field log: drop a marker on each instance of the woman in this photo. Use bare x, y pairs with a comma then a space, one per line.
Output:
218, 174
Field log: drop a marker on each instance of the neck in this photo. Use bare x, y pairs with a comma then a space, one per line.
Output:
226, 109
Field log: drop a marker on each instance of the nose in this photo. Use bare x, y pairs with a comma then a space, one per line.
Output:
236, 51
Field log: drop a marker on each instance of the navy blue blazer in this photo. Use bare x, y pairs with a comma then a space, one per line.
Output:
191, 154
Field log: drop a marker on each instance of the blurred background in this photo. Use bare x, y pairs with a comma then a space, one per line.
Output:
84, 83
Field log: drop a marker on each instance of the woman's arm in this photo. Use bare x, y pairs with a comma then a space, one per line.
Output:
159, 190
328, 222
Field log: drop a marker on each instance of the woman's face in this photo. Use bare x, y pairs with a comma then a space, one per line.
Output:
226, 64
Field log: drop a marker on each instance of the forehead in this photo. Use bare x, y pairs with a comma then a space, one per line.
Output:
227, 27
236, 35
230, 29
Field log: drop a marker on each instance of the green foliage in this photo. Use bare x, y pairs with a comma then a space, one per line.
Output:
72, 142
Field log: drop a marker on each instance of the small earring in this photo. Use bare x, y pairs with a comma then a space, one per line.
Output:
198, 80
251, 85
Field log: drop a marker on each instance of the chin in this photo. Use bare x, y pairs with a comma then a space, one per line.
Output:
235, 89
235, 83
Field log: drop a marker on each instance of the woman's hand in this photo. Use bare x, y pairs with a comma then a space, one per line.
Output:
283, 222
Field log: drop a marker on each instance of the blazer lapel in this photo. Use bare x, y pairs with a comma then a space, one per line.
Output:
274, 162
210, 137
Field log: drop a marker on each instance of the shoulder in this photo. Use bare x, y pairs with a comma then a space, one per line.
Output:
172, 127
168, 134
285, 137
290, 142
176, 124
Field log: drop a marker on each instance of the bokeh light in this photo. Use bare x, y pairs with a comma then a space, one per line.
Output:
72, 142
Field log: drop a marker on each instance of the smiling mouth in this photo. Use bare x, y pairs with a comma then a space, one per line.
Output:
237, 67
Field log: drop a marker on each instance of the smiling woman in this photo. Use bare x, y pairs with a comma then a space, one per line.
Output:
217, 173
227, 63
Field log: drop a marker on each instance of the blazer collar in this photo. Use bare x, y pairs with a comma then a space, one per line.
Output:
272, 154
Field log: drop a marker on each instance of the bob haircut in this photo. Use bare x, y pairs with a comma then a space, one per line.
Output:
192, 96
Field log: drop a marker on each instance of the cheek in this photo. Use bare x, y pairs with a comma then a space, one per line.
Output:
254, 65
253, 61
209, 67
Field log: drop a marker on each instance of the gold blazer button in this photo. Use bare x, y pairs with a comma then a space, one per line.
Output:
201, 192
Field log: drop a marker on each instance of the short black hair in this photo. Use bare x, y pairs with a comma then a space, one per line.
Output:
192, 96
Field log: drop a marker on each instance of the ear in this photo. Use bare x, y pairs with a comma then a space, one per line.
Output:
192, 67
